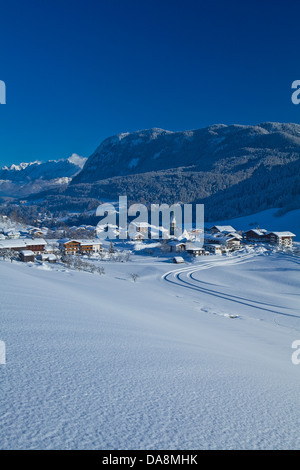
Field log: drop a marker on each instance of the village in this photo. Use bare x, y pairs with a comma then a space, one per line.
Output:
36, 244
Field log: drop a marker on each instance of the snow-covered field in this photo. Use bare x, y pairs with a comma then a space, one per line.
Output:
187, 357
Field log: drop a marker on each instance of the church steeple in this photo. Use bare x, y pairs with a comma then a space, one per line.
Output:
173, 225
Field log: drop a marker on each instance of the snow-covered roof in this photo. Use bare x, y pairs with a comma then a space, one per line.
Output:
8, 244
21, 243
259, 232
27, 253
223, 228
178, 259
63, 241
235, 235
35, 242
90, 242
282, 234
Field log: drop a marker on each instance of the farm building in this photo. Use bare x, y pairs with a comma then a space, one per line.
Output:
37, 246
178, 260
15, 245
26, 256
49, 257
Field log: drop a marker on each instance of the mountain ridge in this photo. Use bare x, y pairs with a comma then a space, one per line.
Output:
27, 177
233, 169
200, 149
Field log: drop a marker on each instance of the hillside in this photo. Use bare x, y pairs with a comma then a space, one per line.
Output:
216, 149
235, 170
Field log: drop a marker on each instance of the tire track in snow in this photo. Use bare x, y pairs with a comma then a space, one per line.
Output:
190, 282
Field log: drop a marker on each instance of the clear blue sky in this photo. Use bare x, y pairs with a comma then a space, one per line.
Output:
79, 71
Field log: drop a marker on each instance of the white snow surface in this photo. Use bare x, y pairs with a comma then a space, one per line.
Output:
196, 356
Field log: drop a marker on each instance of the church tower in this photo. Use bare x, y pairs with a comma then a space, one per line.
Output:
173, 225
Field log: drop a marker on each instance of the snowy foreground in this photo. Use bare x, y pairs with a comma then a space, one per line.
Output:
191, 359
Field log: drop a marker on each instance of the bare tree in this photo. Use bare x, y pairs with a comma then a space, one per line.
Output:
134, 277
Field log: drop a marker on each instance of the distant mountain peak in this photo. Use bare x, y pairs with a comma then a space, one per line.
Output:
77, 160
25, 178
20, 166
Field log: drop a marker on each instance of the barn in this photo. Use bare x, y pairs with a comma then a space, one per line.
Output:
26, 256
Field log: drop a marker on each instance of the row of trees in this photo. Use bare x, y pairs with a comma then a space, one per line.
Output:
75, 262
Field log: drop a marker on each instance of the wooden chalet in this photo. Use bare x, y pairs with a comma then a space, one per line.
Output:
69, 247
90, 246
255, 235
37, 245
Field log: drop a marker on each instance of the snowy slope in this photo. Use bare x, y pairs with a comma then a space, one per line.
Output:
266, 219
101, 362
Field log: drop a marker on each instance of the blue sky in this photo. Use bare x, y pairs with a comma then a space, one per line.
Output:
79, 71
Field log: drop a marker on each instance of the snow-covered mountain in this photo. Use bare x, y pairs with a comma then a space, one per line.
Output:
234, 170
218, 148
27, 178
